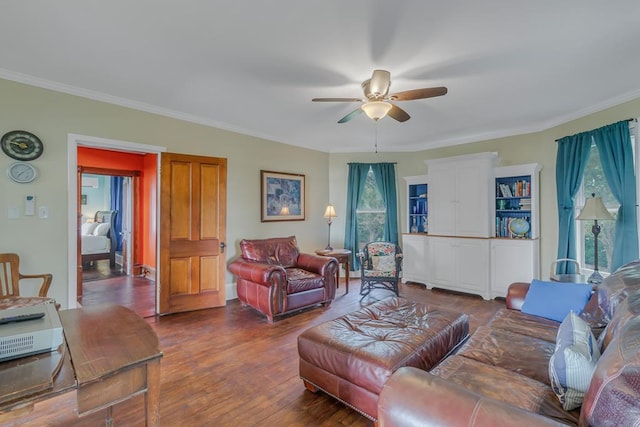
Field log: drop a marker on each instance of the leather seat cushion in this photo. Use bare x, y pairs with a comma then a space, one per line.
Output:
505, 386
525, 324
525, 355
366, 346
299, 280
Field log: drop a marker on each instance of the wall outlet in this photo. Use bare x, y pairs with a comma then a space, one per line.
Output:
43, 212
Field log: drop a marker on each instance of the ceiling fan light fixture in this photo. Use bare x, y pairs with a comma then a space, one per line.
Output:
376, 109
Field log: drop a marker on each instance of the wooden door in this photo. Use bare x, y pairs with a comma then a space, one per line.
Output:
192, 232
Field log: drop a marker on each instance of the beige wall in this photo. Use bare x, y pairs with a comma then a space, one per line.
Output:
42, 243
537, 147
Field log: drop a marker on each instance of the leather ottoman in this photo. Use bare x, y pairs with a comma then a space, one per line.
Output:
351, 357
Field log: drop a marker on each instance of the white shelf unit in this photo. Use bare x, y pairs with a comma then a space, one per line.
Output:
417, 203
521, 200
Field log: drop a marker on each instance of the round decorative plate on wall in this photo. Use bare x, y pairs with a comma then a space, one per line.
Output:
21, 145
22, 172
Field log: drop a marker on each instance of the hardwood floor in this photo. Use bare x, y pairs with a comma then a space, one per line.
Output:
102, 285
228, 367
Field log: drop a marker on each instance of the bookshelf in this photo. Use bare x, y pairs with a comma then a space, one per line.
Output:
516, 201
515, 249
417, 206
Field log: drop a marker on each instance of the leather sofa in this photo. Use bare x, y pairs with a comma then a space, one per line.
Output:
275, 278
500, 377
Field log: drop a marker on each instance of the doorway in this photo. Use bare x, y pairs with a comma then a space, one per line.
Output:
140, 250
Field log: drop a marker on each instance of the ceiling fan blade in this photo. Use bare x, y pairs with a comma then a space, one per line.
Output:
419, 93
336, 100
398, 113
379, 84
350, 116
366, 88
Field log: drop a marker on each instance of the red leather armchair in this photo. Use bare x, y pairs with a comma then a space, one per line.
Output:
275, 278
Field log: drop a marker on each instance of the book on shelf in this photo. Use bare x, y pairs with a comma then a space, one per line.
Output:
505, 190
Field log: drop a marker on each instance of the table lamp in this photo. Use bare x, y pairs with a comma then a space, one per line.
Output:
329, 214
594, 210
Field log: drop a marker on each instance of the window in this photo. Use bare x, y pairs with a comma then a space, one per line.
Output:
372, 213
594, 181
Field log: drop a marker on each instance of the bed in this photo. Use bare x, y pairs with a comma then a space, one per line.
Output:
99, 239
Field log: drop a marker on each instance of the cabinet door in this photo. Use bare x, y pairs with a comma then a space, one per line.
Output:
472, 258
512, 261
442, 196
414, 261
443, 260
472, 201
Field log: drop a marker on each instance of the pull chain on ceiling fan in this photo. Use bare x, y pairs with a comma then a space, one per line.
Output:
377, 103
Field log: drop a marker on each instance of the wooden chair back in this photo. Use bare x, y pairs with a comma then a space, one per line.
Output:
10, 277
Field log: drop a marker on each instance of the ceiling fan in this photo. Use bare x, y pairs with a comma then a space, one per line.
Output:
377, 100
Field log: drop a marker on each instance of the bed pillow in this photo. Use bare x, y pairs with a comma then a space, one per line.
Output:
554, 300
573, 362
101, 230
88, 228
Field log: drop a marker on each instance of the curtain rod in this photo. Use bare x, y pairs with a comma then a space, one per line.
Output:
369, 163
629, 120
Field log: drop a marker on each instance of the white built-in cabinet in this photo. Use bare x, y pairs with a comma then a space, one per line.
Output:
459, 195
513, 260
466, 248
459, 264
415, 251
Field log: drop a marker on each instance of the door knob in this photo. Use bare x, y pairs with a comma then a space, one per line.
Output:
222, 246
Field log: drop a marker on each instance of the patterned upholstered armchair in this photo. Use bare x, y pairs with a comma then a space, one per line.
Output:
380, 267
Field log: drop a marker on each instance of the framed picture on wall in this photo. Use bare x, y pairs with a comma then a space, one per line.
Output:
282, 196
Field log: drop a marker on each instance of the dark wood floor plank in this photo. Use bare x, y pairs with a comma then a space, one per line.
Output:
228, 366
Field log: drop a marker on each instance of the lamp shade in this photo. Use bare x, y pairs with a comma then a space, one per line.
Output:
284, 211
594, 209
329, 212
376, 109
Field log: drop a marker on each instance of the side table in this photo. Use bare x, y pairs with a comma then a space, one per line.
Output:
575, 278
342, 255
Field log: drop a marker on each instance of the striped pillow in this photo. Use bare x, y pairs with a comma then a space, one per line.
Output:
573, 362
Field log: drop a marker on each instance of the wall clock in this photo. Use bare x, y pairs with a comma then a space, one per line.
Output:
22, 172
21, 145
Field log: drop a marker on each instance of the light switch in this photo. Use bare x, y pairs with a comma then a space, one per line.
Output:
43, 212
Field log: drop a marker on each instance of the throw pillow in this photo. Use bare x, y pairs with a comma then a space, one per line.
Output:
573, 362
101, 230
554, 300
383, 262
88, 228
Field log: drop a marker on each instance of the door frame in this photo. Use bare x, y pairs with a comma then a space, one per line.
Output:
73, 142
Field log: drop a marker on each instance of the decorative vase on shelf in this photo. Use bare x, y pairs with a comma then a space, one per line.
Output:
414, 227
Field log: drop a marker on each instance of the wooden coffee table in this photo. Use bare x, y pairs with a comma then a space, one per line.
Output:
342, 255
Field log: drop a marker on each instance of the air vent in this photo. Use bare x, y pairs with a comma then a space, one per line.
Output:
17, 345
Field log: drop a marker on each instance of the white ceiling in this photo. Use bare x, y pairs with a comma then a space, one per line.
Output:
511, 66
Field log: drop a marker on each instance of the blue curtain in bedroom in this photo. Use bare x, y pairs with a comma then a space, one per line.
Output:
571, 160
614, 145
355, 187
385, 174
117, 183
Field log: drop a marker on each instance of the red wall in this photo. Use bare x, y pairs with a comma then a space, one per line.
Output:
146, 165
